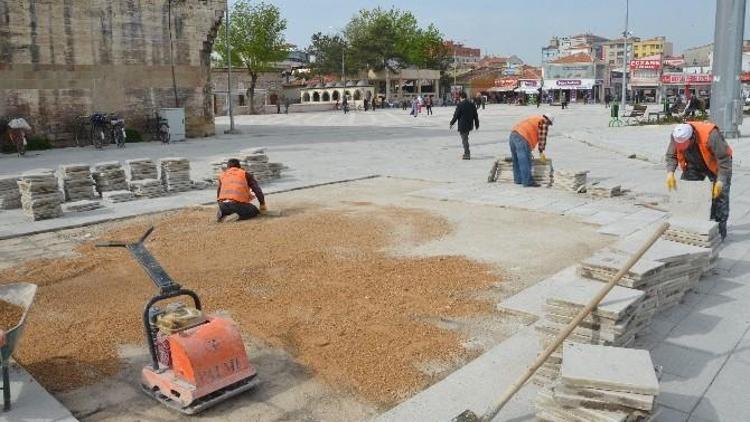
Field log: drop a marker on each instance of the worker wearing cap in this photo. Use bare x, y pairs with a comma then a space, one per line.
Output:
527, 135
701, 151
234, 193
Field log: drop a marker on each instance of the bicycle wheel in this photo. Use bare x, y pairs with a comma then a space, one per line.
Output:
97, 137
119, 137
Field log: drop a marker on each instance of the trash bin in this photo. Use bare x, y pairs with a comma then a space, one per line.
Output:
615, 111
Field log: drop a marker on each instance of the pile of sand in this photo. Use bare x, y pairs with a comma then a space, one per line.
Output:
320, 284
10, 315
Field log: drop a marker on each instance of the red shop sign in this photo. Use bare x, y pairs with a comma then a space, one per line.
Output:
645, 64
681, 79
506, 82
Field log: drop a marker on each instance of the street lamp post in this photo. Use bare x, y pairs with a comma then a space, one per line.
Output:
625, 59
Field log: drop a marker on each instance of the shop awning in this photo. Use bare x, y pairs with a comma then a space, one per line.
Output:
501, 89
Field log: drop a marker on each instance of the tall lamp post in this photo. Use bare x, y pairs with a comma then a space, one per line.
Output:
232, 130
625, 60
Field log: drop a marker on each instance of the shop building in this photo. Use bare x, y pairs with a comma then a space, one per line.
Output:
574, 76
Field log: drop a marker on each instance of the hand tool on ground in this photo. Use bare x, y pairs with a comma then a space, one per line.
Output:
469, 416
19, 294
197, 360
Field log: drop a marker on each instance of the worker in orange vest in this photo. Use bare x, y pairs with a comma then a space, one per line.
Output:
701, 151
527, 135
234, 193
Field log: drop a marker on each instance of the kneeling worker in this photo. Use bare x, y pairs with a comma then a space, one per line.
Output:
234, 193
527, 135
701, 151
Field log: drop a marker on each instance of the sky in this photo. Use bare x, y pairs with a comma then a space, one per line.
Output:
505, 27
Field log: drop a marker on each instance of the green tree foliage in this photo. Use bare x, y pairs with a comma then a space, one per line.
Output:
379, 38
256, 35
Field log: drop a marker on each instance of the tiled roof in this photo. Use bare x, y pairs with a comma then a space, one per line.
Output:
574, 58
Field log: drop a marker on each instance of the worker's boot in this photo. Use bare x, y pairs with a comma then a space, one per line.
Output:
219, 216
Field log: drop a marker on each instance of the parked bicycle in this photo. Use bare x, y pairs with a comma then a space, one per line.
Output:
17, 129
117, 130
158, 127
98, 129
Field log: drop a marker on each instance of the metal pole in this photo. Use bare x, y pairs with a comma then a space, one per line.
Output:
231, 130
171, 54
625, 57
726, 104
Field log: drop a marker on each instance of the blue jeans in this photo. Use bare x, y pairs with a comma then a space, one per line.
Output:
521, 153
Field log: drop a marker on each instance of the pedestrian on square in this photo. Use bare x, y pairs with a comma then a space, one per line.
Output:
538, 97
467, 117
414, 107
428, 104
235, 193
286, 105
345, 105
366, 103
527, 135
607, 100
484, 101
702, 152
563, 100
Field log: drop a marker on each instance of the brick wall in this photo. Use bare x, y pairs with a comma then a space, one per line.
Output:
62, 58
268, 87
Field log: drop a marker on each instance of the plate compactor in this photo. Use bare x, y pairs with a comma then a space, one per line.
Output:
197, 360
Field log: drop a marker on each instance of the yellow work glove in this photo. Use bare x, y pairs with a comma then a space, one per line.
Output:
263, 208
671, 181
542, 157
718, 186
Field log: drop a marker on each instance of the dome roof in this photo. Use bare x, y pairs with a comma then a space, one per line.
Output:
330, 85
349, 83
363, 83
339, 84
319, 86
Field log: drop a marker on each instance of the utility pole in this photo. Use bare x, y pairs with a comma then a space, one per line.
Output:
228, 47
726, 104
625, 61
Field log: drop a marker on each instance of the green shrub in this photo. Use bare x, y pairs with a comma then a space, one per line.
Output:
38, 143
133, 135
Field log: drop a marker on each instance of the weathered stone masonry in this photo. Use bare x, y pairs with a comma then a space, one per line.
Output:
62, 58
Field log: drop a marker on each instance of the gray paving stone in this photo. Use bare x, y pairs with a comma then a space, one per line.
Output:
610, 368
728, 398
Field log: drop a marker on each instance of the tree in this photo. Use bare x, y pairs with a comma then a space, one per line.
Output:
327, 51
392, 39
256, 35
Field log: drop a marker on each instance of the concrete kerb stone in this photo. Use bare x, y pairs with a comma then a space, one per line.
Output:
120, 218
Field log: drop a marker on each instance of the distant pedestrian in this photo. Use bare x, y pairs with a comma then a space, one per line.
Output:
345, 105
428, 105
278, 106
468, 119
477, 101
538, 97
564, 100
286, 105
414, 107
607, 99
484, 101
366, 103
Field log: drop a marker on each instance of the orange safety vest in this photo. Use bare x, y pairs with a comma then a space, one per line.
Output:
702, 132
234, 186
529, 129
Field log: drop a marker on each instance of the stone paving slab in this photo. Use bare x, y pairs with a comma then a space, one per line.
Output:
32, 403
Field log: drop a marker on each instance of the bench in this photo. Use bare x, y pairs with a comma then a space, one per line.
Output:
638, 112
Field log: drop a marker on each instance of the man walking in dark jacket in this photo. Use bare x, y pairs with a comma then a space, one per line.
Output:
468, 119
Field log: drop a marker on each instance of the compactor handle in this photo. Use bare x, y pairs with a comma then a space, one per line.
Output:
111, 244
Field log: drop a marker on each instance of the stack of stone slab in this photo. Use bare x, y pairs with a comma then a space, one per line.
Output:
695, 232
600, 190
10, 196
144, 179
175, 174
76, 182
40, 194
601, 383
574, 181
142, 169
621, 315
81, 206
116, 196
541, 171
665, 273
256, 162
109, 176
146, 188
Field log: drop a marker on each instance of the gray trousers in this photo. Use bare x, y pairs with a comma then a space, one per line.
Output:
465, 143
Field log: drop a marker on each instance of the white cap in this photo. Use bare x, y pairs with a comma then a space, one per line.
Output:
550, 117
682, 133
